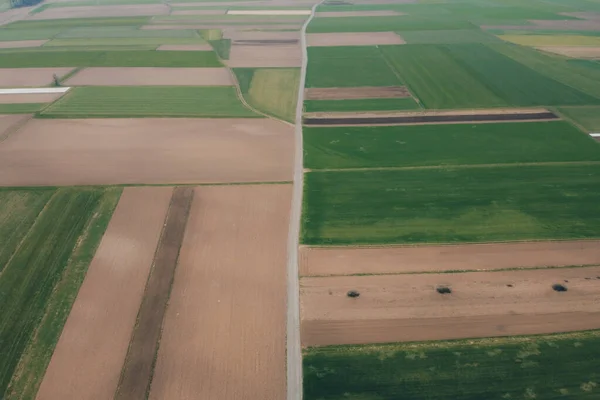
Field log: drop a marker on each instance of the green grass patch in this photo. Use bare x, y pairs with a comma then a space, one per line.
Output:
26, 108
587, 117
110, 59
132, 42
348, 67
8, 35
96, 32
360, 105
552, 40
66, 23
148, 101
36, 269
222, 47
450, 205
485, 12
526, 367
384, 24
454, 144
448, 36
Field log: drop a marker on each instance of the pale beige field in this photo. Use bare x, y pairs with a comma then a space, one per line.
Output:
146, 151
184, 47
353, 39
102, 11
591, 52
235, 34
88, 358
10, 122
265, 56
29, 77
29, 98
481, 304
315, 261
151, 76
198, 12
224, 331
22, 43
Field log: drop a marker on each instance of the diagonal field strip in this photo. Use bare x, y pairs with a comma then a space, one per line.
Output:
139, 363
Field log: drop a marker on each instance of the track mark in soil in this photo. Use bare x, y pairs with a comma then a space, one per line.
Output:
139, 364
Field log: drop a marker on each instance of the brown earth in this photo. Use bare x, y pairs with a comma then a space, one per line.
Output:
483, 111
137, 370
235, 34
195, 25
364, 92
102, 11
151, 76
321, 261
591, 52
185, 47
376, 13
216, 22
29, 98
265, 56
9, 123
224, 332
198, 12
87, 361
13, 15
29, 77
147, 150
353, 39
481, 304
22, 43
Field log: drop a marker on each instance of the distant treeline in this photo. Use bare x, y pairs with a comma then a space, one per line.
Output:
24, 3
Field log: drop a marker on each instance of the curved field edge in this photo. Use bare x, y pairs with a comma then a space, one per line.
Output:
80, 217
544, 366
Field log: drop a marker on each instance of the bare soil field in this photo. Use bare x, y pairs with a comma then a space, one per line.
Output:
224, 331
198, 12
17, 14
363, 92
591, 52
147, 151
102, 11
265, 56
322, 261
151, 76
236, 35
184, 47
366, 13
29, 98
8, 121
273, 27
29, 77
90, 353
22, 43
353, 39
479, 302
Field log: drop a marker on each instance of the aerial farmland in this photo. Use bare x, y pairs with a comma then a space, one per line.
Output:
294, 199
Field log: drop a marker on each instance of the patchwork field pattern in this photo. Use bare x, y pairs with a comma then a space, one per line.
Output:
392, 104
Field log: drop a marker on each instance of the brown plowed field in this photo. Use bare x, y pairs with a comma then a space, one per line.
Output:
184, 47
315, 261
375, 13
573, 51
224, 331
353, 39
265, 56
22, 43
87, 361
480, 300
150, 76
29, 98
29, 77
363, 92
147, 150
102, 11
8, 123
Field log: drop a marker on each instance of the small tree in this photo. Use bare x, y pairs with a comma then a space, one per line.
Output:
56, 80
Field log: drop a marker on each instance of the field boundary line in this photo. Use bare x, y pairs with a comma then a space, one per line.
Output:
395, 72
293, 343
15, 127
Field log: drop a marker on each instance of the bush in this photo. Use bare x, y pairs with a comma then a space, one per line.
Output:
353, 293
559, 288
443, 290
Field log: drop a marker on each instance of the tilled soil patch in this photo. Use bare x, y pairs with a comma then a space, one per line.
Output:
265, 56
22, 43
353, 39
591, 52
9, 121
195, 25
481, 304
239, 35
363, 92
30, 77
184, 47
264, 42
151, 76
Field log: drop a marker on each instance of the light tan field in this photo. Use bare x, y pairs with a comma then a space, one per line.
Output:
102, 11
198, 12
147, 150
185, 47
29, 98
481, 304
224, 331
150, 76
591, 52
265, 56
29, 77
87, 361
22, 43
353, 39
235, 34
375, 13
320, 261
9, 123
195, 25
361, 92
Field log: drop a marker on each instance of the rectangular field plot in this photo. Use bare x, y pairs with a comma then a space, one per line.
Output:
587, 117
148, 101
452, 205
20, 108
552, 40
478, 369
454, 144
448, 36
98, 76
19, 77
146, 151
384, 24
360, 105
44, 263
348, 67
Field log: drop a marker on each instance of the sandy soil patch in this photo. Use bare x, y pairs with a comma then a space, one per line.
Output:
353, 39
199, 12
405, 259
184, 47
15, 77
224, 332
147, 150
102, 11
22, 43
375, 13
29, 98
150, 76
265, 56
87, 361
481, 304
364, 92
591, 52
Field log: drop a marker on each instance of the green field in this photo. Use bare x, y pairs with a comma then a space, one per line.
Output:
384, 24
26, 108
552, 40
587, 117
124, 32
42, 276
348, 66
7, 35
455, 144
448, 36
148, 101
67, 23
449, 205
136, 41
562, 366
360, 105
